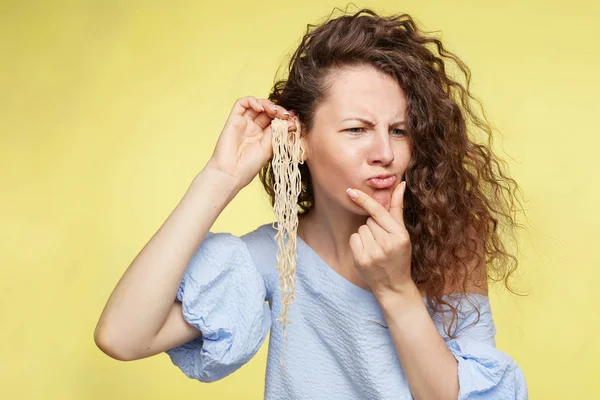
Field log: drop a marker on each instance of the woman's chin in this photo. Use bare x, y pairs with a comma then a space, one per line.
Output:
383, 197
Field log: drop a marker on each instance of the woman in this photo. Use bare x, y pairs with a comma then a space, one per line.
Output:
391, 284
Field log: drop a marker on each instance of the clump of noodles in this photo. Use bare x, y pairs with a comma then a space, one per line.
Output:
287, 186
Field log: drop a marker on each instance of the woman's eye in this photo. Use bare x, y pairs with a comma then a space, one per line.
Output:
352, 129
397, 132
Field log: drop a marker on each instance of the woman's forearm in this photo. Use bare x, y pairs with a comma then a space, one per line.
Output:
430, 368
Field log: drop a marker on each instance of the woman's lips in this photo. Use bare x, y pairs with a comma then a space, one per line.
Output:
384, 183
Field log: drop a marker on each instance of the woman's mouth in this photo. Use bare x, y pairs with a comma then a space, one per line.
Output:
382, 183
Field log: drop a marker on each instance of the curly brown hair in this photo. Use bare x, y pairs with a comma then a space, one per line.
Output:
458, 197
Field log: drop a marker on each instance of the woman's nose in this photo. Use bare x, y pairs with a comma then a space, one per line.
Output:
381, 149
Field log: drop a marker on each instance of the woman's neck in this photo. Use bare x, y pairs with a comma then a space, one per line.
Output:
328, 235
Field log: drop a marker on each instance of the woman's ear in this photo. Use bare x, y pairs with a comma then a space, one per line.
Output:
303, 139
303, 147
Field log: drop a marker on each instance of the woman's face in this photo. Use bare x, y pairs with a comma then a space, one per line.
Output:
358, 133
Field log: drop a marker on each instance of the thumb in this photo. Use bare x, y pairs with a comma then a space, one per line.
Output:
397, 206
266, 142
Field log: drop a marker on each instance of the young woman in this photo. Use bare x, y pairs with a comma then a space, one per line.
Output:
391, 282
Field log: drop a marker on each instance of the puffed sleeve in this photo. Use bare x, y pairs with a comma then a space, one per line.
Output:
484, 372
222, 295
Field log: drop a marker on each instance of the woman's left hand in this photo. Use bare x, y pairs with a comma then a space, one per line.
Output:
382, 247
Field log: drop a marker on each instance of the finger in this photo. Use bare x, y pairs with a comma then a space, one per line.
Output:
378, 232
266, 142
366, 236
264, 111
377, 211
256, 108
285, 114
397, 203
245, 103
271, 112
275, 110
356, 245
262, 104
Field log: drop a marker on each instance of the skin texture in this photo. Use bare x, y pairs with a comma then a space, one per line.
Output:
382, 254
461, 203
364, 237
342, 154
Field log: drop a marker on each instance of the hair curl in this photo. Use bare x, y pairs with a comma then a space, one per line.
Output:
458, 197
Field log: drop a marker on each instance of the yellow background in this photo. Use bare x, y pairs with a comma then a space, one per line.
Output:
109, 108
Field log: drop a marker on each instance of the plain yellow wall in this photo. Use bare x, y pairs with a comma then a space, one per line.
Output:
109, 108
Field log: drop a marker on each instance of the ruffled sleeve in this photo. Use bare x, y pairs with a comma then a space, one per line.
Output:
222, 295
484, 372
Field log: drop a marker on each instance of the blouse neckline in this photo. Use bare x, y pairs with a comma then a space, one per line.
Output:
356, 292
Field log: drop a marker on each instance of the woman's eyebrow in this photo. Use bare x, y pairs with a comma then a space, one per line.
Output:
369, 123
364, 121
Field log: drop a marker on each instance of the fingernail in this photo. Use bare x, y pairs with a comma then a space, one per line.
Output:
352, 193
286, 113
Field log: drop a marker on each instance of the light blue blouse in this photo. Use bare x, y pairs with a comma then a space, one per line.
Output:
335, 349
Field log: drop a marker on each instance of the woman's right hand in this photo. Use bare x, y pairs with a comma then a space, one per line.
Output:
244, 146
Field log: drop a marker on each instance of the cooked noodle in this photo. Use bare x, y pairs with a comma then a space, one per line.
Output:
287, 186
